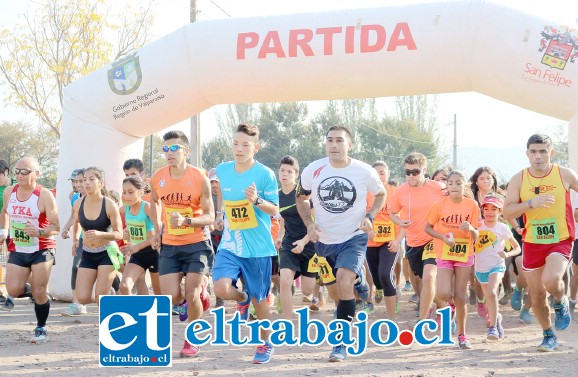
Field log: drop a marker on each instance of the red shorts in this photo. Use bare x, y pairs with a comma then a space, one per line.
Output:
534, 255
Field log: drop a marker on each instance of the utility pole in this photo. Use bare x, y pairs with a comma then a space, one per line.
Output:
455, 163
195, 119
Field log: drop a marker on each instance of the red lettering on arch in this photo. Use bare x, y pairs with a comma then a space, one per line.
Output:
378, 31
244, 42
271, 45
328, 33
300, 38
396, 38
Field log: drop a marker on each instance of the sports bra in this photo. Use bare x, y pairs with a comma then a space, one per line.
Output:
101, 223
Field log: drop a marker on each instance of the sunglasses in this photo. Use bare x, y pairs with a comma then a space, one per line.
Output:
412, 172
173, 148
22, 171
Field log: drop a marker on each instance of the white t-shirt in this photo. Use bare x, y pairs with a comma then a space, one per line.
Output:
339, 197
488, 244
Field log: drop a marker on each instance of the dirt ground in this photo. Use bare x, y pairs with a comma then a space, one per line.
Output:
73, 351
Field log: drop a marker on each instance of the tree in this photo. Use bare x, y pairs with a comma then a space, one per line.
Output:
19, 140
62, 42
158, 156
560, 141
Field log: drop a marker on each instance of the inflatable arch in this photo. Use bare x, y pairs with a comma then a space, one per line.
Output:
442, 47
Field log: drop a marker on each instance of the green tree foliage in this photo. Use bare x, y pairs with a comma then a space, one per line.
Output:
63, 41
19, 140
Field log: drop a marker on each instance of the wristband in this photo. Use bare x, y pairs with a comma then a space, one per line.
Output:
4, 233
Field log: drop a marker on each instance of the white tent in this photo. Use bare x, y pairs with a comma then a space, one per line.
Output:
443, 47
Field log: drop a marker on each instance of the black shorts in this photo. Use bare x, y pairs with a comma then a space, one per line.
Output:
297, 262
274, 265
575, 253
195, 257
414, 257
147, 259
29, 259
94, 260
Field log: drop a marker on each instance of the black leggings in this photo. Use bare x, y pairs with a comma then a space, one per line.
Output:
381, 264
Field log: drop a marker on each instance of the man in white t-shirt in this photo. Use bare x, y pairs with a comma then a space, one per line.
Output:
338, 186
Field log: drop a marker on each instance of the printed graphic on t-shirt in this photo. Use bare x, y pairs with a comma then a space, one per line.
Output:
336, 194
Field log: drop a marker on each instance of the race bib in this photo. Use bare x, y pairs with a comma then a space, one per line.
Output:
486, 239
136, 231
428, 251
384, 231
180, 230
325, 271
545, 231
240, 214
313, 264
459, 253
19, 236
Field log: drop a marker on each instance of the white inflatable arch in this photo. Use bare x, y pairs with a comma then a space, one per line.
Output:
442, 47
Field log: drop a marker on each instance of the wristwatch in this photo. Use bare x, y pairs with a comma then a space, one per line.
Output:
258, 201
370, 217
189, 221
40, 232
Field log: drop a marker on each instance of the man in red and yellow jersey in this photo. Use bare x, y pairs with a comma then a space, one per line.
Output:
541, 193
182, 207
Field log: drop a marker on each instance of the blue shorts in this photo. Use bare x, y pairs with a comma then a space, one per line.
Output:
256, 272
483, 277
349, 254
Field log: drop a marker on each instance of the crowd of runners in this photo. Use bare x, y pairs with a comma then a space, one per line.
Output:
339, 225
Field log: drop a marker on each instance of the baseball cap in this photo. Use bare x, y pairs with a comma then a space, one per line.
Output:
74, 174
213, 175
493, 200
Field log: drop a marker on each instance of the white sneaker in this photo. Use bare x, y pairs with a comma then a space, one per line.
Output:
40, 335
74, 310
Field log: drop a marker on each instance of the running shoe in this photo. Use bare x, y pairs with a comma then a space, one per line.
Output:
175, 310
499, 326
40, 335
189, 350
378, 296
317, 303
205, 298
482, 309
526, 317
359, 305
27, 293
2, 298
219, 302
74, 309
407, 287
506, 297
517, 299
562, 316
493, 334
368, 308
243, 308
8, 305
414, 299
362, 288
549, 344
278, 305
464, 342
183, 311
307, 299
338, 354
263, 354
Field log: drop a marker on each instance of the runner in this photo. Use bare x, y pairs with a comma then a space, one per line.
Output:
5, 181
296, 250
409, 208
217, 227
453, 223
75, 308
250, 198
490, 255
541, 193
98, 217
338, 186
184, 192
383, 246
33, 221
142, 257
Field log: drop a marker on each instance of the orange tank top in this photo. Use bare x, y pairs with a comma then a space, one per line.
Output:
181, 195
